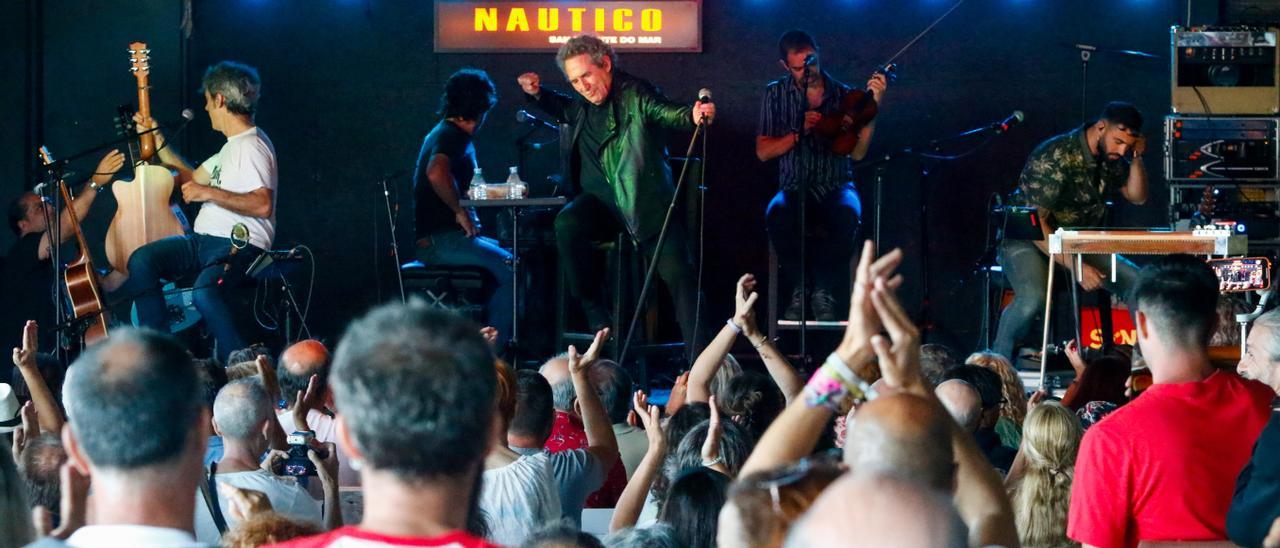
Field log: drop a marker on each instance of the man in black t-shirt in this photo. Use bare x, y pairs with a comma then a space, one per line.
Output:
446, 232
26, 279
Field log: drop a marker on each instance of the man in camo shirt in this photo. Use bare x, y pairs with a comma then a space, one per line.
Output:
1068, 180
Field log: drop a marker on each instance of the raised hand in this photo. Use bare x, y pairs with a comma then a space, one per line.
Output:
711, 446
651, 418
899, 354
579, 363
864, 322
679, 391
1036, 399
304, 403
530, 83
25, 357
744, 314
490, 334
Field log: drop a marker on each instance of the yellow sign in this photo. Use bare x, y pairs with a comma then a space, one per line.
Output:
493, 26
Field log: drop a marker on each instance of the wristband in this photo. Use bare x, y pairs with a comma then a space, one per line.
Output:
733, 326
709, 463
837, 387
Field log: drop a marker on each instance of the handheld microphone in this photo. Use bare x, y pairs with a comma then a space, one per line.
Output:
811, 60
704, 96
1010, 121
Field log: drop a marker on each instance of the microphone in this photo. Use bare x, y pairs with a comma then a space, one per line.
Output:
525, 117
811, 60
704, 96
1010, 121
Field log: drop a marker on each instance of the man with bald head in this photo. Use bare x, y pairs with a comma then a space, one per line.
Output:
303, 373
241, 415
904, 434
569, 433
962, 401
880, 509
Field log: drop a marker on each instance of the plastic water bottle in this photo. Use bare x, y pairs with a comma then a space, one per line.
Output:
479, 188
516, 188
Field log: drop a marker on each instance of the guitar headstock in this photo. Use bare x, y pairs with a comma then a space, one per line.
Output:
139, 59
46, 157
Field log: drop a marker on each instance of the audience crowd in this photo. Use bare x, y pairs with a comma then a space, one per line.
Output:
411, 432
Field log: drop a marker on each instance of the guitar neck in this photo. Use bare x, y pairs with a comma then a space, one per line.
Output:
140, 58
69, 205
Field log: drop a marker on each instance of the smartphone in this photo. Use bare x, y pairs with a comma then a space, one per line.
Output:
1242, 273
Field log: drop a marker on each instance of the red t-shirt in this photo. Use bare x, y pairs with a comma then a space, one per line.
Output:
354, 537
568, 433
1163, 467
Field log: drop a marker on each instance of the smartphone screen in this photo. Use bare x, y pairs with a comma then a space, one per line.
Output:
1242, 274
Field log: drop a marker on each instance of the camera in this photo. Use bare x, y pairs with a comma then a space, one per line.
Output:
298, 464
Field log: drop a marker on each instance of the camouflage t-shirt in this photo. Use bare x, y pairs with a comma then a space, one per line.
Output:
1063, 176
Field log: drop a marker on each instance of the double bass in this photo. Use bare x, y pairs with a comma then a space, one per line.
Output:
82, 280
143, 214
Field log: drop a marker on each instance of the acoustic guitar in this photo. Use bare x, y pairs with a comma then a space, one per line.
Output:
142, 214
81, 279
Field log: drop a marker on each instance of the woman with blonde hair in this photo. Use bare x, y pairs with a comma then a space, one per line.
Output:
1040, 479
1013, 405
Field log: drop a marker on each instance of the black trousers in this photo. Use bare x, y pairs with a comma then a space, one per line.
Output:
587, 220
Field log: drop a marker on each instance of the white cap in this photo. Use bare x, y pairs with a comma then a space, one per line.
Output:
9, 418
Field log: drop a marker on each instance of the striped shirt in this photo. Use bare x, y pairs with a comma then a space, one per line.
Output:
782, 112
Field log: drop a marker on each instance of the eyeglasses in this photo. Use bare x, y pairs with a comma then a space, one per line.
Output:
829, 459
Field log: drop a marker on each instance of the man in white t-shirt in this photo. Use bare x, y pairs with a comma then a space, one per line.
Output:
241, 415
235, 187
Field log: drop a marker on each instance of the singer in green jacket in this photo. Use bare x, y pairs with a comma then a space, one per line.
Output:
618, 165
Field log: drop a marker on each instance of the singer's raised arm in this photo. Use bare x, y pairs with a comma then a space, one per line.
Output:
553, 103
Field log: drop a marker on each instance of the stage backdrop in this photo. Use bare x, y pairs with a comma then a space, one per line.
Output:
351, 86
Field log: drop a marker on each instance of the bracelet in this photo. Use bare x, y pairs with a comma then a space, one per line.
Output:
709, 463
837, 387
94, 185
763, 342
734, 326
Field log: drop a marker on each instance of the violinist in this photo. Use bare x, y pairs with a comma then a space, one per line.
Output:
792, 107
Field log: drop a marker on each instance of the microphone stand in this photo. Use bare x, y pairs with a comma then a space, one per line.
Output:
657, 250
928, 150
395, 243
53, 180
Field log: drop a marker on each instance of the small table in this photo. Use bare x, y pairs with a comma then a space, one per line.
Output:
515, 207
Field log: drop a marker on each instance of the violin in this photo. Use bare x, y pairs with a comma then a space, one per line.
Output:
840, 128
